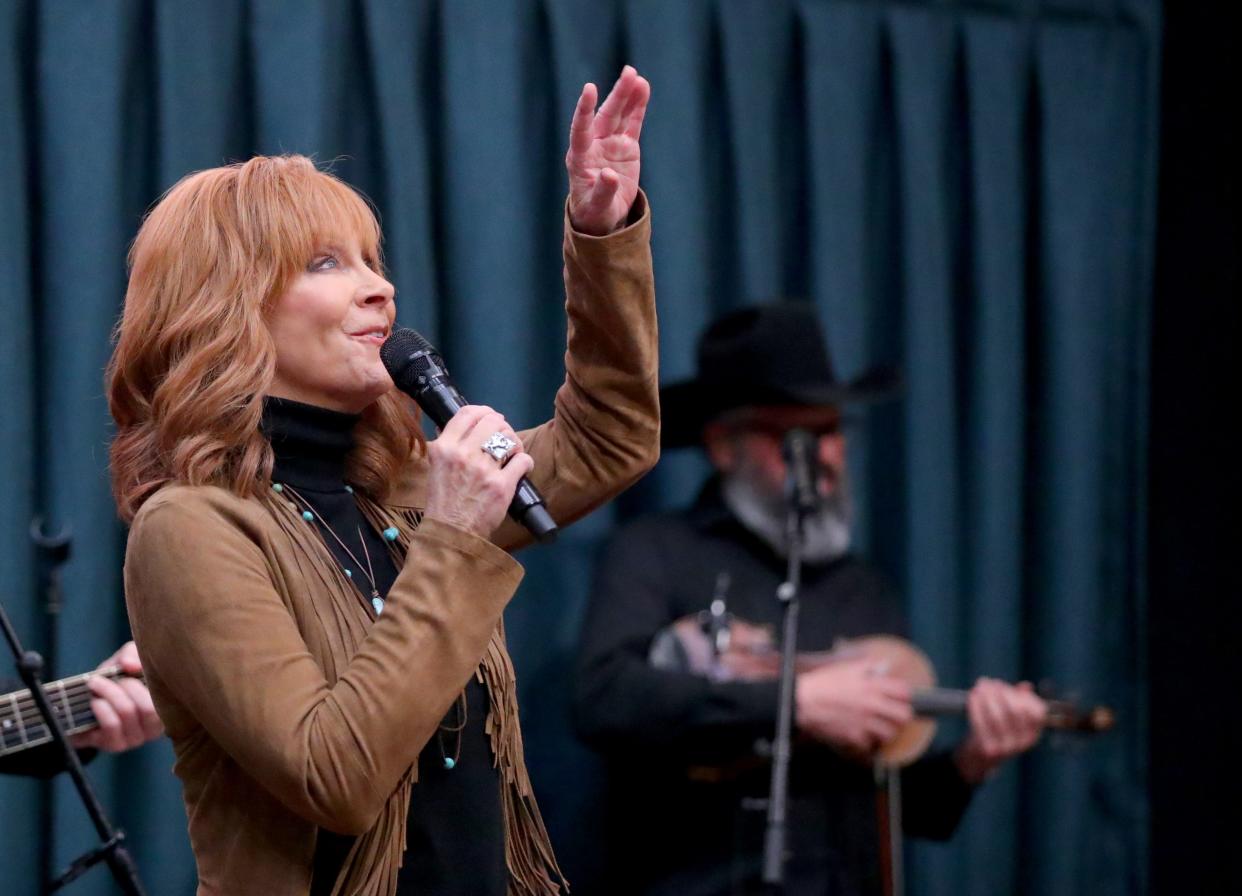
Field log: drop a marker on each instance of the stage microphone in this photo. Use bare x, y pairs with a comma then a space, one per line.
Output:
802, 484
418, 370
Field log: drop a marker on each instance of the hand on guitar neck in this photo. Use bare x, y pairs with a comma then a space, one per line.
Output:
875, 699
1005, 720
122, 707
864, 698
889, 685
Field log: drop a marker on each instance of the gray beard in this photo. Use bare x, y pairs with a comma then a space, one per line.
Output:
826, 533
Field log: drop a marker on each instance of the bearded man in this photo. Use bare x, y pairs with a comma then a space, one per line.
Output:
676, 678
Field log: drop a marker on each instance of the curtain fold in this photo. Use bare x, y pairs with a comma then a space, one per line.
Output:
962, 189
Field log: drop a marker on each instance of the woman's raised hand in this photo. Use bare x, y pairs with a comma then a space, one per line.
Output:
467, 487
603, 158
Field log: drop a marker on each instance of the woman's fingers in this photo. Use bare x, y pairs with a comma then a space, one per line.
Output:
122, 708
465, 420
119, 725
609, 118
603, 191
127, 658
469, 487
517, 467
580, 128
107, 736
149, 724
473, 425
636, 110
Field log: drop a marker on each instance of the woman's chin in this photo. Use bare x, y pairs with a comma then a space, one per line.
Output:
373, 391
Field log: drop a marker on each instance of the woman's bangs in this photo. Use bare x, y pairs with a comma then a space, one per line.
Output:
335, 214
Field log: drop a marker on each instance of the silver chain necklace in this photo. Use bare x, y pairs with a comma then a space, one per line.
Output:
310, 514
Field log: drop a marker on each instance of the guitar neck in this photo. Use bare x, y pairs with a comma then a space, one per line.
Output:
1061, 715
22, 725
939, 702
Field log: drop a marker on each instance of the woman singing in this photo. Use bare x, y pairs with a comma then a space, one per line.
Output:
316, 592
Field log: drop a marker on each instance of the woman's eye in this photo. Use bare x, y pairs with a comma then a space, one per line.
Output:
324, 263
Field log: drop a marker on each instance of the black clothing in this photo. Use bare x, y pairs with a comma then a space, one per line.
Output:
455, 821
674, 834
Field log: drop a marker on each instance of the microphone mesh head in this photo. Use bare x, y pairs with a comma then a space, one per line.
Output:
399, 346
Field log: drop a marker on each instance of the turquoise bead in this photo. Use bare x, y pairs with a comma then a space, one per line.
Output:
391, 533
350, 489
277, 487
378, 603
449, 762
308, 516
349, 573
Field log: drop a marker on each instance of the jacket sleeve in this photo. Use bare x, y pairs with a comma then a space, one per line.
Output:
605, 429
225, 658
621, 701
934, 797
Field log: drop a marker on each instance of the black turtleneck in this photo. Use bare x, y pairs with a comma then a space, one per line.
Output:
455, 835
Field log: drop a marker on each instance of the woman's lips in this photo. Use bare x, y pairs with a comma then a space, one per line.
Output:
369, 338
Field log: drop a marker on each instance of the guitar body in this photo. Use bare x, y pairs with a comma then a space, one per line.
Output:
900, 659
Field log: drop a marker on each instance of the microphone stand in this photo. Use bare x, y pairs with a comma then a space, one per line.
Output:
53, 551
803, 495
112, 850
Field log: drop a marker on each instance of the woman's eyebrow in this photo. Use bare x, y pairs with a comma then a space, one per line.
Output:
342, 248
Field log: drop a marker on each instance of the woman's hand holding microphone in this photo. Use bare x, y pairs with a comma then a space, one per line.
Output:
468, 487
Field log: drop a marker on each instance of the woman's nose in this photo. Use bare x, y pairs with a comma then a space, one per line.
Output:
377, 292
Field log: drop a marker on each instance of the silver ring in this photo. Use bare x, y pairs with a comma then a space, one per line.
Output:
498, 446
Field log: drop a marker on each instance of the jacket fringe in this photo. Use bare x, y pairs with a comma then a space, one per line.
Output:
533, 870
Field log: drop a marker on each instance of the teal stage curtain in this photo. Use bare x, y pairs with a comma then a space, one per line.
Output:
965, 189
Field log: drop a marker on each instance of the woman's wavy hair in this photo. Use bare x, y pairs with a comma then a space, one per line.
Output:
194, 358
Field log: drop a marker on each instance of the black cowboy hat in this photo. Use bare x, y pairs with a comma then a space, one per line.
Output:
771, 354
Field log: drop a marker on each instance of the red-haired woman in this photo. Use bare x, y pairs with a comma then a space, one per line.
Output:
316, 592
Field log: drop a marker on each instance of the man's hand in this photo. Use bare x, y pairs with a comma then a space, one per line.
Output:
603, 157
123, 707
851, 705
1005, 720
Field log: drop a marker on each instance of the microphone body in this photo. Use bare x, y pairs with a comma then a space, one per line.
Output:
802, 485
418, 370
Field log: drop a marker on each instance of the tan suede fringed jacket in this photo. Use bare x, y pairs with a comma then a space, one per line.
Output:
291, 706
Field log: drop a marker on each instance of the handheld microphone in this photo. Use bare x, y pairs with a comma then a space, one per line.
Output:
418, 371
802, 485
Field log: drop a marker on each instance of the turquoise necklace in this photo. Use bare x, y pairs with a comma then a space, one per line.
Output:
310, 514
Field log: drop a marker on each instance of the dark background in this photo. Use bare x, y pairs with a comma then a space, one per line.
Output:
1028, 205
1194, 470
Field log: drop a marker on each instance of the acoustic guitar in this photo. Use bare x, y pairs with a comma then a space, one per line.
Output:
23, 727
